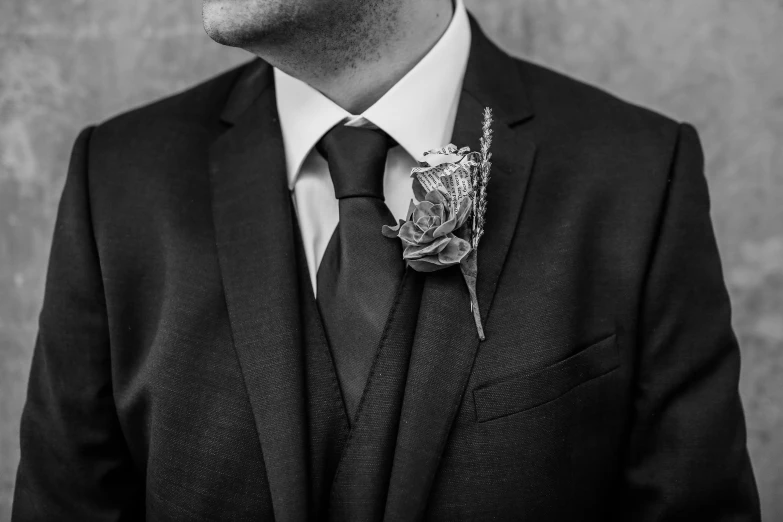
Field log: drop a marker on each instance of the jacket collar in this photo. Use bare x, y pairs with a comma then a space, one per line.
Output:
252, 212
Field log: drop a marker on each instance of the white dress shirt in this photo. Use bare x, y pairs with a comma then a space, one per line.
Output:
418, 112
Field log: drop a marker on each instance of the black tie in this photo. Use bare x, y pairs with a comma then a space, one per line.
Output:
361, 269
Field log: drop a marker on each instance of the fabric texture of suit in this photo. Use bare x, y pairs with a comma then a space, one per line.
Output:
169, 376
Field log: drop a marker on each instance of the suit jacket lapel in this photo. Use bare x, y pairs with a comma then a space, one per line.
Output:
446, 340
254, 232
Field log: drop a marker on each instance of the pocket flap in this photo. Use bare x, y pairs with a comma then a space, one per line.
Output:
522, 392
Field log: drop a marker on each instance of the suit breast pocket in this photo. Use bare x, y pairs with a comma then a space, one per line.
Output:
518, 393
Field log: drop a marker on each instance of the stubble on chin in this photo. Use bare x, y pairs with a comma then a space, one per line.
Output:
303, 34
247, 23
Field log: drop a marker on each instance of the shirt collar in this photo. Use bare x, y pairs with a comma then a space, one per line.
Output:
418, 112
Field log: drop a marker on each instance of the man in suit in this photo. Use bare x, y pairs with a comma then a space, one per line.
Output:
227, 335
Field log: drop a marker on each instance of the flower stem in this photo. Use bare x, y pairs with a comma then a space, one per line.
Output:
469, 268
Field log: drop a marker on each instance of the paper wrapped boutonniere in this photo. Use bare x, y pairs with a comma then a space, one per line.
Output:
445, 223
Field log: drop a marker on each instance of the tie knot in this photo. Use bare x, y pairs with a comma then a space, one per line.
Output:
357, 159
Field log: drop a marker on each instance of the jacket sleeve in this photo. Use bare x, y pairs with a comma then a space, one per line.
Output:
74, 461
687, 457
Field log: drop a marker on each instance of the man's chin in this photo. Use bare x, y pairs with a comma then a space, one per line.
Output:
228, 24
223, 37
249, 24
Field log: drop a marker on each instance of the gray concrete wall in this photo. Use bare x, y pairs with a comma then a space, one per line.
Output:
716, 63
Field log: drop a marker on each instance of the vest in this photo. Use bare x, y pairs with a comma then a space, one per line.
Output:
350, 460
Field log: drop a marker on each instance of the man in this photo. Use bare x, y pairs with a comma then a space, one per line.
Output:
227, 335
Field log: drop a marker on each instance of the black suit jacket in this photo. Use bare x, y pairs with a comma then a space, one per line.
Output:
167, 376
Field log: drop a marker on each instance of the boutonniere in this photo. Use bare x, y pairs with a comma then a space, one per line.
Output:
444, 225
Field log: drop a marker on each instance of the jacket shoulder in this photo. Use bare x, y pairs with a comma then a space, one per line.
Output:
579, 125
566, 101
157, 147
197, 106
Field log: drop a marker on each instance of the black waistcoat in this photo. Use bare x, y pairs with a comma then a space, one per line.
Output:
350, 467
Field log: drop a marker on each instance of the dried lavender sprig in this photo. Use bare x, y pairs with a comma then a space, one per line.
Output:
474, 179
480, 198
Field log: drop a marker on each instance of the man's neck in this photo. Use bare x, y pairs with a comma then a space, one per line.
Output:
356, 68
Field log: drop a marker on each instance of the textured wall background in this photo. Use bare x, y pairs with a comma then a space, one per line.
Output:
715, 63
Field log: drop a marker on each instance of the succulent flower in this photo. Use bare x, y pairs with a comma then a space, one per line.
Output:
428, 233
